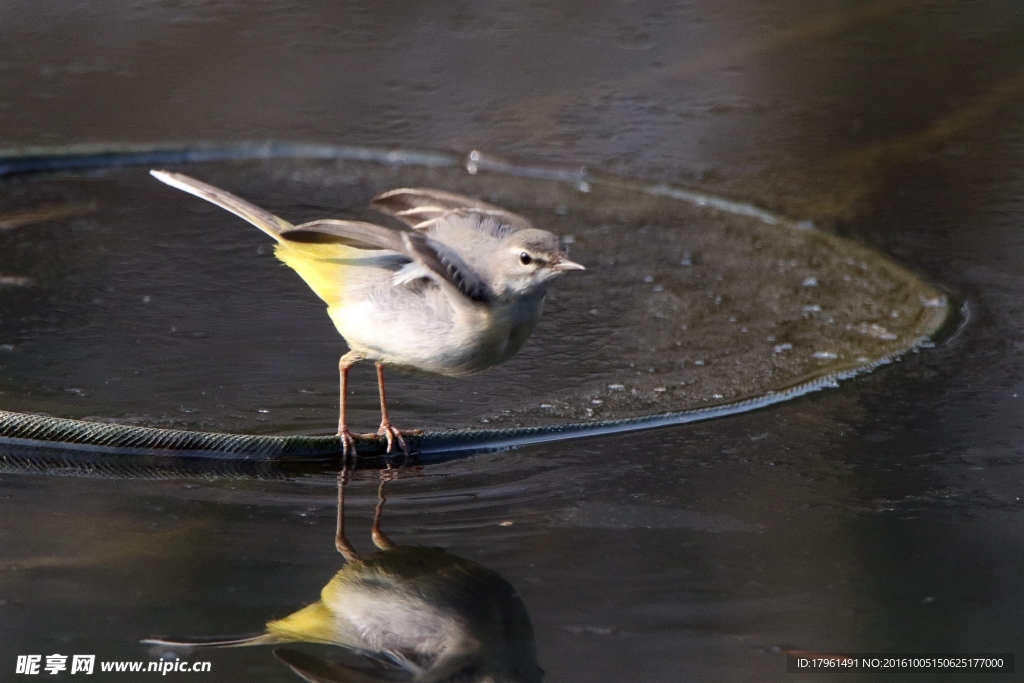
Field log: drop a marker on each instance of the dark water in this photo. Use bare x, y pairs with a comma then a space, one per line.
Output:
882, 516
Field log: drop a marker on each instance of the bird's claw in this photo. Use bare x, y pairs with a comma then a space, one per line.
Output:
348, 442
393, 435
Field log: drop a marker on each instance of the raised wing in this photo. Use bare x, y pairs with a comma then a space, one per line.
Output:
349, 233
379, 668
414, 205
421, 208
434, 256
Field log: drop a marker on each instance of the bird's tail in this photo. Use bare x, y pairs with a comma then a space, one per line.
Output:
215, 641
261, 218
317, 264
312, 624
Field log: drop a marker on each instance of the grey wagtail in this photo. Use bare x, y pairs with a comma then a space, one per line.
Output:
420, 611
458, 293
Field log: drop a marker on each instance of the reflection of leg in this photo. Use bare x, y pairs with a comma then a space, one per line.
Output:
340, 541
386, 430
348, 444
379, 539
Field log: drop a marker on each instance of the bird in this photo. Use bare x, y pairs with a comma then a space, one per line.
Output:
415, 612
457, 292
412, 609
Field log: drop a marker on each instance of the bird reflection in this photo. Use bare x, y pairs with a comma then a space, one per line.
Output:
405, 613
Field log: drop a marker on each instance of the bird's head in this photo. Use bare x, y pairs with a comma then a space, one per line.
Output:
528, 260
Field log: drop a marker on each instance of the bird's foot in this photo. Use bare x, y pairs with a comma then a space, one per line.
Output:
348, 442
394, 436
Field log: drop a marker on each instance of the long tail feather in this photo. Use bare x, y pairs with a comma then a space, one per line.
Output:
262, 219
215, 641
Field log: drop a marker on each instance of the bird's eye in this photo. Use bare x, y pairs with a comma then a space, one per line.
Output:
525, 258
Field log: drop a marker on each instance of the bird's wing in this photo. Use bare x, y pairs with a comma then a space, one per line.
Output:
261, 218
438, 258
446, 263
414, 205
349, 233
319, 670
421, 208
488, 222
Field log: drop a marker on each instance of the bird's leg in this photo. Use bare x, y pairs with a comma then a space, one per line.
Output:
379, 539
348, 444
386, 430
340, 540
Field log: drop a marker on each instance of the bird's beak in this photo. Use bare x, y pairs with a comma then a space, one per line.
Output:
566, 264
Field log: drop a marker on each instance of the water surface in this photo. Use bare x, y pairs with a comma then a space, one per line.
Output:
883, 515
